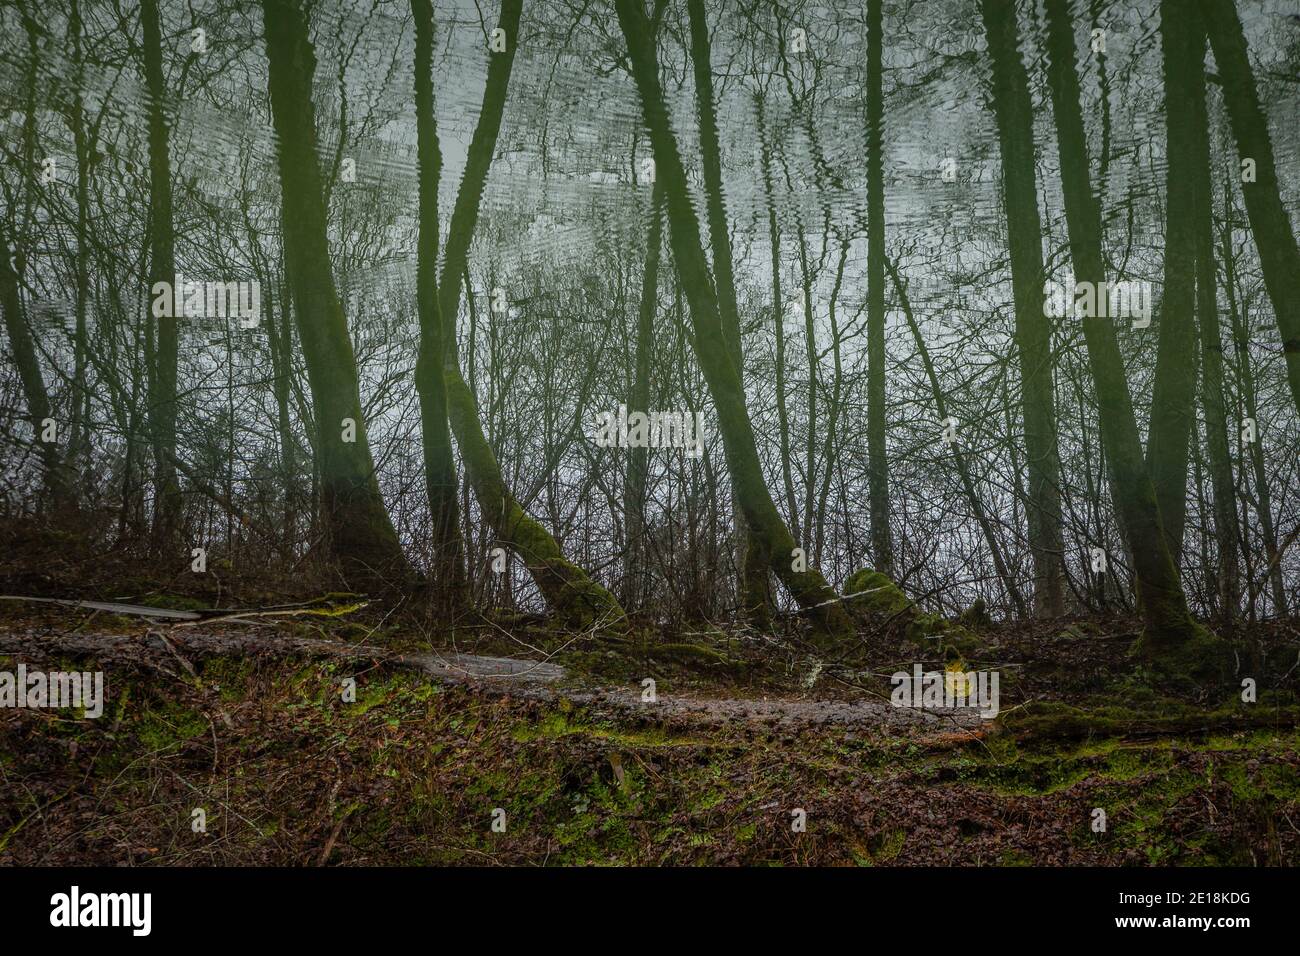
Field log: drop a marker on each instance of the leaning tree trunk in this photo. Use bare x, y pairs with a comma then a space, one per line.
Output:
877, 464
56, 477
808, 586
1279, 257
57, 480
1170, 636
755, 591
576, 598
362, 536
1014, 113
441, 483
162, 268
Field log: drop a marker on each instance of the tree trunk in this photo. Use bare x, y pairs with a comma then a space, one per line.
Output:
576, 598
279, 347
1173, 406
1255, 448
441, 482
778, 316
1170, 635
362, 537
162, 268
1279, 258
752, 561
56, 478
808, 587
877, 465
639, 459
829, 449
1213, 397
79, 444
1013, 110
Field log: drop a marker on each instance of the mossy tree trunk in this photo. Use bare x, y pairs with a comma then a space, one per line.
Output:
877, 464
576, 598
1173, 404
1013, 111
56, 476
639, 458
755, 592
362, 537
441, 482
1279, 257
162, 268
1168, 625
808, 587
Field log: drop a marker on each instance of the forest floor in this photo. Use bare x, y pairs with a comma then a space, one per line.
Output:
246, 720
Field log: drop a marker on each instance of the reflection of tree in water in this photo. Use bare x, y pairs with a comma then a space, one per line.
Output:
829, 228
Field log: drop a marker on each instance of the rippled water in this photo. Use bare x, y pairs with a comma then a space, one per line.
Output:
567, 189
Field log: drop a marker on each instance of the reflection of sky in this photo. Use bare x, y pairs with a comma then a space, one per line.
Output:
567, 178
563, 190
562, 177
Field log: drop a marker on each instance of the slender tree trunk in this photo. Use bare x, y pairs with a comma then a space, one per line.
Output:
1013, 110
475, 542
279, 342
1170, 635
1255, 446
1279, 257
837, 389
576, 598
807, 586
56, 478
1095, 10
362, 537
1173, 406
639, 459
755, 590
803, 529
78, 446
877, 465
778, 315
162, 268
441, 482
1227, 531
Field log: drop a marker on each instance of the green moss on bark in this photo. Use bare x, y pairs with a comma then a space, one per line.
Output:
578, 601
1196, 655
